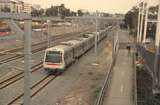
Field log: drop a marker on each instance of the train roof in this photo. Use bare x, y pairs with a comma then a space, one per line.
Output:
66, 43
73, 42
63, 48
81, 39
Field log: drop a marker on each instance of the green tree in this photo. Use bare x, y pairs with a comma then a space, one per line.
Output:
37, 13
131, 18
80, 13
72, 13
53, 11
6, 9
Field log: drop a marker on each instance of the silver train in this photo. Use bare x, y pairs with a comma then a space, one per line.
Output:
59, 57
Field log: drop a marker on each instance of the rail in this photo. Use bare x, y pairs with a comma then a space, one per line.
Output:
135, 80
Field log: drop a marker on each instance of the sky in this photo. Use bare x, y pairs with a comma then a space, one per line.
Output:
109, 6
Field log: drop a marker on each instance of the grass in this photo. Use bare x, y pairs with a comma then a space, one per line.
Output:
95, 94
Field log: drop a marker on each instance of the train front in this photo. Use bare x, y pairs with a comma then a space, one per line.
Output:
53, 61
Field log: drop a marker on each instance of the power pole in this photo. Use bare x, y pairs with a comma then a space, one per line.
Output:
42, 28
138, 28
96, 35
27, 51
48, 33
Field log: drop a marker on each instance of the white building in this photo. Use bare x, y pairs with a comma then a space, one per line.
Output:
18, 6
7, 4
27, 8
14, 6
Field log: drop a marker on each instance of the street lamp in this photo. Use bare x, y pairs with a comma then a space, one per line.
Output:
146, 23
141, 23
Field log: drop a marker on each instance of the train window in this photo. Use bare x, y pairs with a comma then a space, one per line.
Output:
53, 57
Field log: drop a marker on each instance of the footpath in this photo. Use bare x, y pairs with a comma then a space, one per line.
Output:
120, 90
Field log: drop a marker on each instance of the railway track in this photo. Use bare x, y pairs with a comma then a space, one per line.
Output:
16, 76
14, 57
43, 42
41, 46
35, 89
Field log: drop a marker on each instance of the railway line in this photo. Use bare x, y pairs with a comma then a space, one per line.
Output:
35, 89
18, 75
41, 46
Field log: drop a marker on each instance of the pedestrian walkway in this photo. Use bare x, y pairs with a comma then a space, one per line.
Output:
120, 90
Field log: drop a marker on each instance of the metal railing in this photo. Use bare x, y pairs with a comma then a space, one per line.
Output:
135, 80
105, 85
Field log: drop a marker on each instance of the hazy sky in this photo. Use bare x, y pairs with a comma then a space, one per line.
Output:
111, 6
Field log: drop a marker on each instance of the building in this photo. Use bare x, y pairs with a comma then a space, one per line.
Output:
27, 8
18, 6
14, 6
7, 6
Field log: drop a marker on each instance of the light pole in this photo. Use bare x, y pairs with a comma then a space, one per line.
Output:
138, 28
146, 23
27, 73
95, 50
48, 33
42, 29
141, 24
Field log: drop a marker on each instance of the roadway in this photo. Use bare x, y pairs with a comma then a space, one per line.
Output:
120, 91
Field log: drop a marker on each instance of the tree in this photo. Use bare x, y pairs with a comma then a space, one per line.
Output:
53, 11
106, 14
131, 18
61, 11
37, 13
6, 9
153, 10
72, 13
80, 13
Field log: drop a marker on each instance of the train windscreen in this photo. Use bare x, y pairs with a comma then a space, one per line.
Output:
53, 57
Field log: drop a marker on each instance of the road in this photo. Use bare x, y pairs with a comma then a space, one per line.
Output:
120, 90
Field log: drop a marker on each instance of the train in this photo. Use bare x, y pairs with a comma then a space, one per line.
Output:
59, 57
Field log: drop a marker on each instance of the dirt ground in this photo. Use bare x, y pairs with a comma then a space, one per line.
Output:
86, 90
